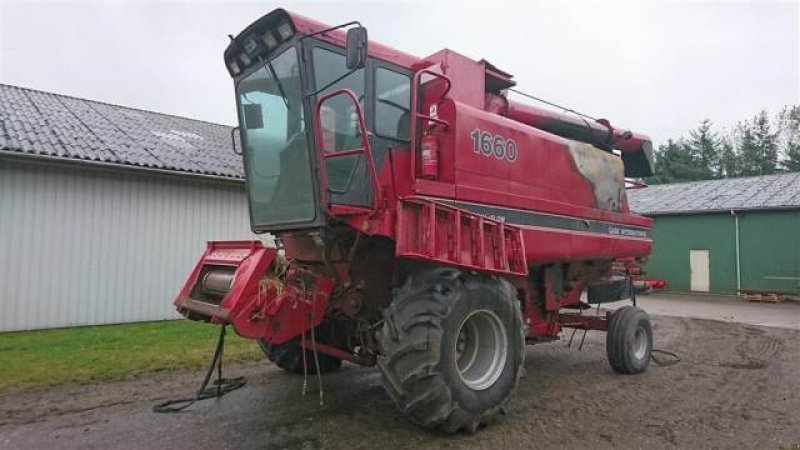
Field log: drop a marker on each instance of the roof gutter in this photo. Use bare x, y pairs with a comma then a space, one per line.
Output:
48, 159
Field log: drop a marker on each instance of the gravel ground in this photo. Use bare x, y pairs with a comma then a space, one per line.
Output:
722, 307
738, 386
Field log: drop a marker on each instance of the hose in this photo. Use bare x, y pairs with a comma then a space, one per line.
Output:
662, 362
221, 386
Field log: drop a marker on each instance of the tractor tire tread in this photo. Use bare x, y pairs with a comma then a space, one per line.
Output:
408, 364
617, 349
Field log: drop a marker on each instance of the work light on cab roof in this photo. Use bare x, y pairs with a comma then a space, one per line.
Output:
413, 201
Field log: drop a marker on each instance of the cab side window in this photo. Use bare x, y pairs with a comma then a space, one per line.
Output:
338, 115
338, 118
330, 66
392, 104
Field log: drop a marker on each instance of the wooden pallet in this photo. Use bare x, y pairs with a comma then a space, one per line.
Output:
762, 297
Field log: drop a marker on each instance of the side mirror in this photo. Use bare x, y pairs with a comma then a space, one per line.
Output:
356, 48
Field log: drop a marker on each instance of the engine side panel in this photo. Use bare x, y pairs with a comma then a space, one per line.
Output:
568, 196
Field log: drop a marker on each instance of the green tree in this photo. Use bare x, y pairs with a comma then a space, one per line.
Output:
751, 148
767, 142
789, 133
746, 149
704, 145
676, 162
730, 163
757, 146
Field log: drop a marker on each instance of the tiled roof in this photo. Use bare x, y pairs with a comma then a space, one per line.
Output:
42, 123
763, 192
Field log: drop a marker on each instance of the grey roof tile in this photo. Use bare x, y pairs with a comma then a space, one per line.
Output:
56, 125
764, 192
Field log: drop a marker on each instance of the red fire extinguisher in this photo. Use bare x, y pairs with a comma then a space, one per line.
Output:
430, 157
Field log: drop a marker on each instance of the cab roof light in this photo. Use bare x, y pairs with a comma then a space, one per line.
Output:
245, 59
269, 40
251, 46
285, 30
234, 67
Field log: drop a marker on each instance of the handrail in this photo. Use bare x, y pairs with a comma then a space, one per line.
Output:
366, 149
416, 116
233, 140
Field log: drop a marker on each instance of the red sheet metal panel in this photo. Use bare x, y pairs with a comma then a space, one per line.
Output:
432, 231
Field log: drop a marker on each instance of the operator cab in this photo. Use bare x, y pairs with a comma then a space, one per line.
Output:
307, 112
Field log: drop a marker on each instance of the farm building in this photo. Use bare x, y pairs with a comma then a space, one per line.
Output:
724, 236
105, 209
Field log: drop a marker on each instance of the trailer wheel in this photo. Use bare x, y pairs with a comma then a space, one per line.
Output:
288, 357
452, 348
629, 341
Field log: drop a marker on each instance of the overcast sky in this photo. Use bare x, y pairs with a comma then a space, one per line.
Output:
655, 67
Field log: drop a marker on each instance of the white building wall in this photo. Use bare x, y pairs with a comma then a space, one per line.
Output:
85, 246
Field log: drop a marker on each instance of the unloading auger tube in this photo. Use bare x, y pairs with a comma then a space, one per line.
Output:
423, 222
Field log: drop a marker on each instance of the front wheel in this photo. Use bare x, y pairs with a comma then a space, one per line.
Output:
452, 348
629, 340
289, 357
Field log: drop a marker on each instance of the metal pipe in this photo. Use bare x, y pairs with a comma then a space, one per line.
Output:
636, 149
337, 353
575, 127
738, 265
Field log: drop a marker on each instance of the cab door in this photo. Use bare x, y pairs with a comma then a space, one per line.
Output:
349, 181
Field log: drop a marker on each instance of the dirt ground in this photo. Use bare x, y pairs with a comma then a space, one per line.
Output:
738, 386
721, 307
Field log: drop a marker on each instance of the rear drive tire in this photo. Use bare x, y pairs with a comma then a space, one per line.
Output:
629, 340
452, 348
289, 357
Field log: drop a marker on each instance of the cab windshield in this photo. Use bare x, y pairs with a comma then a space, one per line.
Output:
277, 165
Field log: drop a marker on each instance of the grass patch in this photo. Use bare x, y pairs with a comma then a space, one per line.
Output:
45, 358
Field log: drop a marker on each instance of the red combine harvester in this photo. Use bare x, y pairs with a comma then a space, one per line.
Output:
424, 222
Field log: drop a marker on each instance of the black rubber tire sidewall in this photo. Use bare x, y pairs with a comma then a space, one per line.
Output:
620, 337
